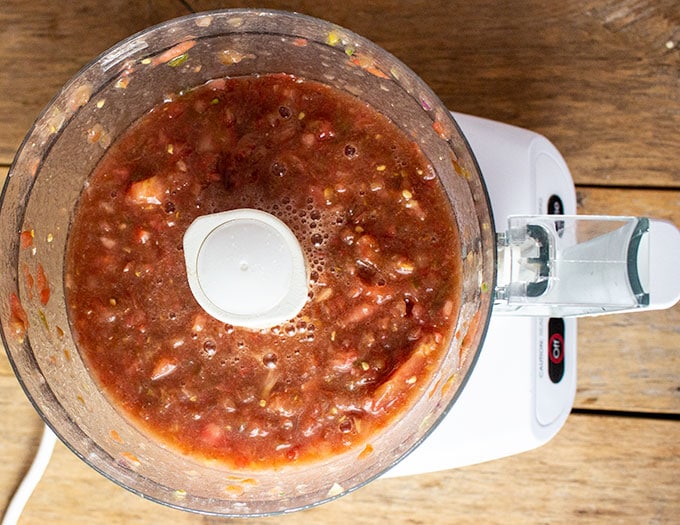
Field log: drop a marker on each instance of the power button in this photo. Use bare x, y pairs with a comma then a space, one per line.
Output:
556, 349
556, 207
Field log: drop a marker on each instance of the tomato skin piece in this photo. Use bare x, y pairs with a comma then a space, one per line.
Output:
404, 378
27, 239
29, 280
43, 285
142, 236
18, 317
360, 313
174, 53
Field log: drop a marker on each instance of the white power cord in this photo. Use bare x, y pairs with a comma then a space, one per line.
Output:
31, 479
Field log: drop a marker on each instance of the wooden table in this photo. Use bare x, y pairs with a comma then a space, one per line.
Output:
601, 80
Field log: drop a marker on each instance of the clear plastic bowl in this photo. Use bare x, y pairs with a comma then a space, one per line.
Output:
58, 155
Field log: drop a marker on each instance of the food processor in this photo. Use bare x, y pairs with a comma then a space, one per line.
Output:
525, 254
522, 388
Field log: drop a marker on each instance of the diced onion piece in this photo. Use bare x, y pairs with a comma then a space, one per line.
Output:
404, 266
164, 367
147, 191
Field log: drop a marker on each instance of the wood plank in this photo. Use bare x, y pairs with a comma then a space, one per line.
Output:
596, 469
600, 82
603, 89
598, 78
630, 361
45, 43
20, 429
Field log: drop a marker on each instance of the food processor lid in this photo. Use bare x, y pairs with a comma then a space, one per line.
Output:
246, 268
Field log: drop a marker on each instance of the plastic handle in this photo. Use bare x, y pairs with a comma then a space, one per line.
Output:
569, 266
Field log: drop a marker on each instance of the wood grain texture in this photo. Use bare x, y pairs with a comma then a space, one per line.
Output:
630, 361
596, 78
20, 429
599, 78
44, 44
598, 469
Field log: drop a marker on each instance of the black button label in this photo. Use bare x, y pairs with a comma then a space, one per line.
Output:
556, 207
556, 349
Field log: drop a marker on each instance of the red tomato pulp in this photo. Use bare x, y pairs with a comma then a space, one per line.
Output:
379, 238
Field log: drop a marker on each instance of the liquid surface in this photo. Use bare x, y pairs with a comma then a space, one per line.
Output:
377, 233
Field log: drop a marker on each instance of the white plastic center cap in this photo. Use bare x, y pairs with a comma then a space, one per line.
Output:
245, 267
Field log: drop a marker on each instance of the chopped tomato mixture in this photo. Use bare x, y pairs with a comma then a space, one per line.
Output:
380, 242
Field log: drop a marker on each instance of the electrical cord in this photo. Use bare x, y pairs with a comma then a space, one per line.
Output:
31, 479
